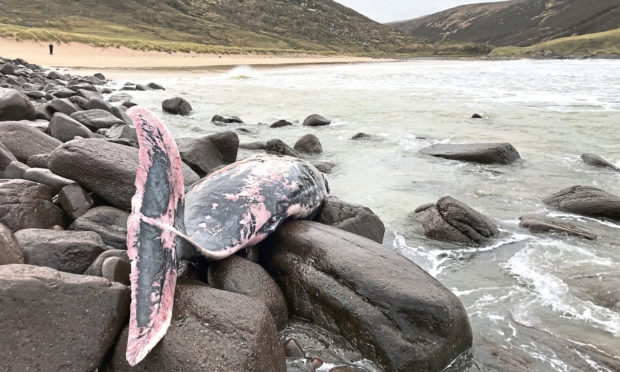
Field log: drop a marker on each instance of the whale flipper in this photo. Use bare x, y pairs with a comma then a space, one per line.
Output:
153, 236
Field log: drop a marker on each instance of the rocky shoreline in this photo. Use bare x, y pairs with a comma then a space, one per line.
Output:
316, 293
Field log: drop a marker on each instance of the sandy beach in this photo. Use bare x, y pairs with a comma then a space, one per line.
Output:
82, 56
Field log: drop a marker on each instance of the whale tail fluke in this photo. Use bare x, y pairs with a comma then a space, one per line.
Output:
153, 236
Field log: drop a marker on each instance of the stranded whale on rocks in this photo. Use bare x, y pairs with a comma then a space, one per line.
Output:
232, 208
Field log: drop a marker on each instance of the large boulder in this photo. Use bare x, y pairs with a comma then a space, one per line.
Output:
316, 120
177, 106
211, 330
385, 305
597, 161
484, 153
452, 221
352, 218
55, 321
9, 247
542, 224
107, 169
23, 140
205, 154
96, 119
65, 128
587, 201
308, 144
26, 204
15, 105
110, 223
68, 251
236, 274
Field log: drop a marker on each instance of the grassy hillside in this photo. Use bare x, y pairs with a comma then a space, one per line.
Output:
516, 22
205, 25
597, 44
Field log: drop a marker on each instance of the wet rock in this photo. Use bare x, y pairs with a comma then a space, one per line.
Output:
484, 153
363, 136
64, 93
316, 120
476, 116
62, 105
23, 141
587, 201
280, 124
207, 153
110, 223
352, 218
58, 321
452, 221
116, 270
9, 247
539, 224
278, 147
96, 119
324, 166
177, 106
35, 94
65, 128
299, 365
98, 103
68, 251
6, 157
74, 200
228, 332
155, 86
292, 349
405, 321
129, 104
236, 274
107, 169
423, 207
15, 105
600, 289
308, 144
597, 161
38, 161
26, 204
226, 119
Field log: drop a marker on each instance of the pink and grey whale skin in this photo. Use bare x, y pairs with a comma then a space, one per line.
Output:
230, 209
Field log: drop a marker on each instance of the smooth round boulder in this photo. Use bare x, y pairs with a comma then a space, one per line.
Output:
23, 141
280, 124
177, 106
65, 128
483, 153
110, 223
96, 119
9, 247
115, 269
14, 105
316, 120
278, 147
226, 119
308, 144
586, 201
26, 204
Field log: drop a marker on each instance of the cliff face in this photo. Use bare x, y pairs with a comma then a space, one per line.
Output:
516, 22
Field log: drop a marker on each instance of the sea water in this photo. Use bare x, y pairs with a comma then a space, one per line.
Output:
517, 289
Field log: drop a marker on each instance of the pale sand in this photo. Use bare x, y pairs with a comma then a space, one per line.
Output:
82, 56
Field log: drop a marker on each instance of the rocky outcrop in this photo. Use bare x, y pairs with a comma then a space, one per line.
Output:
9, 247
56, 321
177, 106
68, 251
236, 274
205, 154
352, 218
308, 144
484, 153
385, 305
541, 224
452, 221
110, 223
26, 204
14, 105
597, 161
586, 201
228, 332
316, 120
107, 169
23, 141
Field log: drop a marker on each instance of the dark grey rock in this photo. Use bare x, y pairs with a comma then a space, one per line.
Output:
120, 97
119, 112
122, 131
352, 218
292, 349
64, 93
484, 153
226, 119
62, 105
541, 224
587, 201
278, 147
280, 124
96, 119
6, 157
100, 76
74, 200
110, 223
79, 101
98, 103
324, 166
308, 144
597, 161
363, 136
26, 204
386, 306
70, 321
35, 94
9, 247
452, 221
38, 161
55, 75
14, 105
476, 116
228, 332
107, 169
176, 105
316, 120
46, 177
600, 289
258, 145
236, 274
68, 251
155, 86
97, 267
207, 153
65, 128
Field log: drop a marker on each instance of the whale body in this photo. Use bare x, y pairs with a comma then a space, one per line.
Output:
232, 208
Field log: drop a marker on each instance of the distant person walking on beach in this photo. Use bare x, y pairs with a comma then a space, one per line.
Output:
51, 49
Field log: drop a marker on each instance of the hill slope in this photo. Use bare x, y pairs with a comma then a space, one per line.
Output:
516, 22
312, 25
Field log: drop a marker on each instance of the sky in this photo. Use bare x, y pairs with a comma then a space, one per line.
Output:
398, 10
